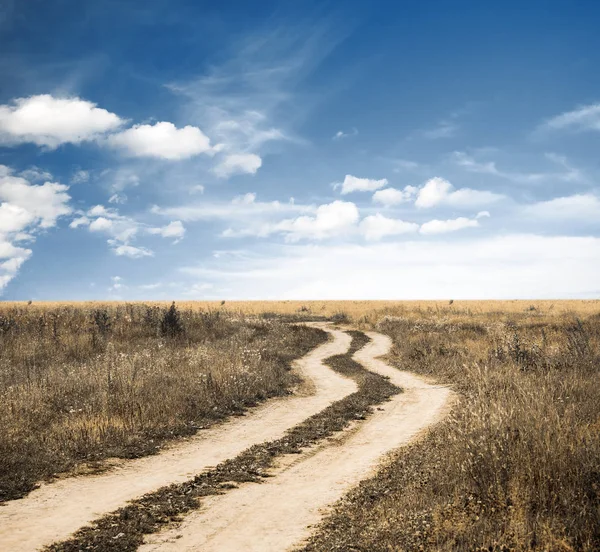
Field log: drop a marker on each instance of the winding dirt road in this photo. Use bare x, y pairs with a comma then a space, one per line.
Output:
277, 515
54, 511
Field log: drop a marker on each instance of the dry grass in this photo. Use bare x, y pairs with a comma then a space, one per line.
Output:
369, 310
82, 383
517, 464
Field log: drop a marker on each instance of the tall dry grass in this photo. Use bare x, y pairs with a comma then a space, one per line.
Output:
516, 466
81, 383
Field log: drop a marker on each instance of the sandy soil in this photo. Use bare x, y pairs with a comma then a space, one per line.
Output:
54, 511
278, 514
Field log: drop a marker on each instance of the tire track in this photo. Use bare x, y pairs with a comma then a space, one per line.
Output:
278, 514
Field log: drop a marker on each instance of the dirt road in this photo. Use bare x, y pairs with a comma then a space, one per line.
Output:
54, 511
277, 515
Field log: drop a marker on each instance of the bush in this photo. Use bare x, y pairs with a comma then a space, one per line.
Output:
171, 325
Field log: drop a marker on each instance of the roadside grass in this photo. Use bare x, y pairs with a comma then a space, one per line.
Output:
516, 466
123, 530
79, 384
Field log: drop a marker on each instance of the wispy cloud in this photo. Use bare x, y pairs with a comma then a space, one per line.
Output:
123, 230
586, 117
569, 174
444, 129
340, 134
251, 99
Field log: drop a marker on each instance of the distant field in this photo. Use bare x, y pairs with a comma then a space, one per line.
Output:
359, 309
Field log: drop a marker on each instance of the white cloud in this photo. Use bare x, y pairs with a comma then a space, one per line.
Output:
80, 176
118, 199
392, 196
444, 129
11, 259
586, 117
25, 209
579, 207
174, 229
330, 220
14, 218
101, 224
355, 184
122, 230
246, 199
570, 174
438, 191
35, 174
445, 226
377, 226
162, 140
130, 251
46, 203
340, 134
244, 209
502, 267
48, 121
238, 163
197, 189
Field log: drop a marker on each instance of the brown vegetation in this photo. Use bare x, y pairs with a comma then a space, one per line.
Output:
83, 383
517, 464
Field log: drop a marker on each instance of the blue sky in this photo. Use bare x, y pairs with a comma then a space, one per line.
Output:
309, 150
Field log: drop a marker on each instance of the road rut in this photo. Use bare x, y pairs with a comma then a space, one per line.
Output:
278, 514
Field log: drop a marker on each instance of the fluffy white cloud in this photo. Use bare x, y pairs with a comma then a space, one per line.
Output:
355, 184
101, 224
586, 117
438, 191
174, 229
163, 140
502, 267
392, 196
332, 219
46, 203
48, 121
445, 226
329, 220
25, 209
14, 218
583, 207
378, 226
238, 163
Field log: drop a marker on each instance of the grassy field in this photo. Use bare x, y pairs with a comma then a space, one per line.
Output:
516, 466
83, 383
